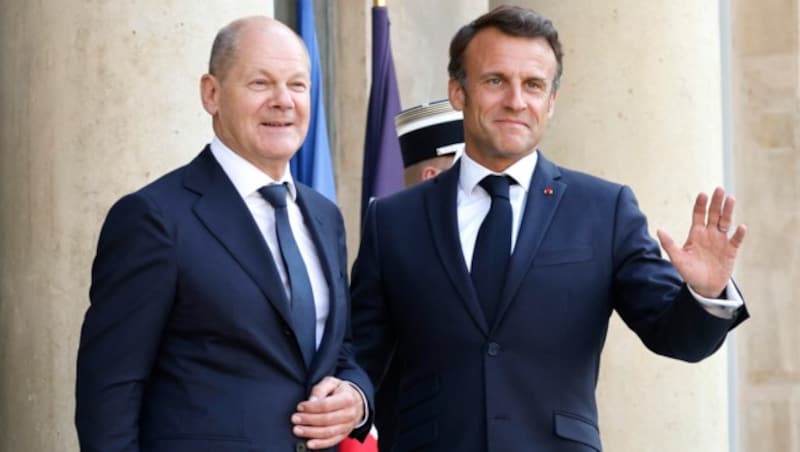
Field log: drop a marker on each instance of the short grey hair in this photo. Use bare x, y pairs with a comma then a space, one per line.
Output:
223, 50
226, 43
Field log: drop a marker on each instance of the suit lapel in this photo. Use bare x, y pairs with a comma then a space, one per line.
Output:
225, 215
323, 233
544, 195
441, 205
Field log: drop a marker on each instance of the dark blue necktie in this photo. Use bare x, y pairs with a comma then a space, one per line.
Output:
301, 297
493, 246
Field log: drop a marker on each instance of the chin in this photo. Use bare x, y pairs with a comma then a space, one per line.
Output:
280, 147
516, 150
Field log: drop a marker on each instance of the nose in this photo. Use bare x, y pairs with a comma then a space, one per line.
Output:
514, 98
282, 98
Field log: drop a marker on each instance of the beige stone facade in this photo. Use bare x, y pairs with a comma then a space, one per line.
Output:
766, 140
97, 98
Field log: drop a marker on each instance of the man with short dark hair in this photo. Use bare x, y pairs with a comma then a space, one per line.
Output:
493, 283
219, 304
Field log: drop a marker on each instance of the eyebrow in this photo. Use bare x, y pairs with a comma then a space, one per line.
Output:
501, 75
538, 79
270, 74
492, 75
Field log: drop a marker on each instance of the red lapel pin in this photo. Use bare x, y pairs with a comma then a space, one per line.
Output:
548, 191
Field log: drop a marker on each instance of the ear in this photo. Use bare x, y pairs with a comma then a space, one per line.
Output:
455, 92
552, 107
209, 93
429, 172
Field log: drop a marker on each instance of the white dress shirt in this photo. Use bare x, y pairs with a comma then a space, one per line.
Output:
473, 203
248, 179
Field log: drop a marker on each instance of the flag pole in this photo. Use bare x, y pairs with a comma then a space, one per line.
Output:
379, 3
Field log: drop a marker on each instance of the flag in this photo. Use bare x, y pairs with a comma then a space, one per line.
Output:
311, 165
383, 166
370, 444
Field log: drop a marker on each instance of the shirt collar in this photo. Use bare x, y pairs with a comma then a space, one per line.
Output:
246, 177
471, 172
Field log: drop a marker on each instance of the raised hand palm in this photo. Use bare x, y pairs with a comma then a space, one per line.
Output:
706, 259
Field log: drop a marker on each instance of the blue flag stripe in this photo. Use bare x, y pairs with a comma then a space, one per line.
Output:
312, 164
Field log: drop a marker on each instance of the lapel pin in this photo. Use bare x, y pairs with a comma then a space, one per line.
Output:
548, 191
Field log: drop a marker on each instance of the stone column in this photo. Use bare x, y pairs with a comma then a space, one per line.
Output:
640, 104
350, 86
96, 99
766, 131
421, 35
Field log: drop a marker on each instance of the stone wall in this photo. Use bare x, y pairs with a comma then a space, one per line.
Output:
766, 141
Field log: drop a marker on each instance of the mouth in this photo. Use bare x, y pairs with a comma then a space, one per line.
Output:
512, 123
277, 123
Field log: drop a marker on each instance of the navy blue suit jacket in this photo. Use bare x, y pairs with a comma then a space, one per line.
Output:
188, 345
527, 381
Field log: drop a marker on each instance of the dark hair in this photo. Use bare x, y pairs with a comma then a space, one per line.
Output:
513, 21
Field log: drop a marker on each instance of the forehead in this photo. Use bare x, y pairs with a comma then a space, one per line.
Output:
494, 51
272, 49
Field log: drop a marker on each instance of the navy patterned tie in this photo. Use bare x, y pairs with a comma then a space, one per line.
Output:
493, 246
301, 297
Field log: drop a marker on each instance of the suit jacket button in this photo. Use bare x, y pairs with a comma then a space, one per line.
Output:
493, 349
300, 447
287, 331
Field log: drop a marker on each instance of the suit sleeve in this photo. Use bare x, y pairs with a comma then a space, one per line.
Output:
347, 368
651, 297
372, 330
133, 286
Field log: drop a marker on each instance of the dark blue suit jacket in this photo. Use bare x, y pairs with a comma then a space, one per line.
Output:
187, 345
526, 382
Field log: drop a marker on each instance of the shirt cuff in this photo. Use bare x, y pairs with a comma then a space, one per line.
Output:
724, 308
364, 401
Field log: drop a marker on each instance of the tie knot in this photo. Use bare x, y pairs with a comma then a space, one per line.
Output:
275, 194
496, 186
